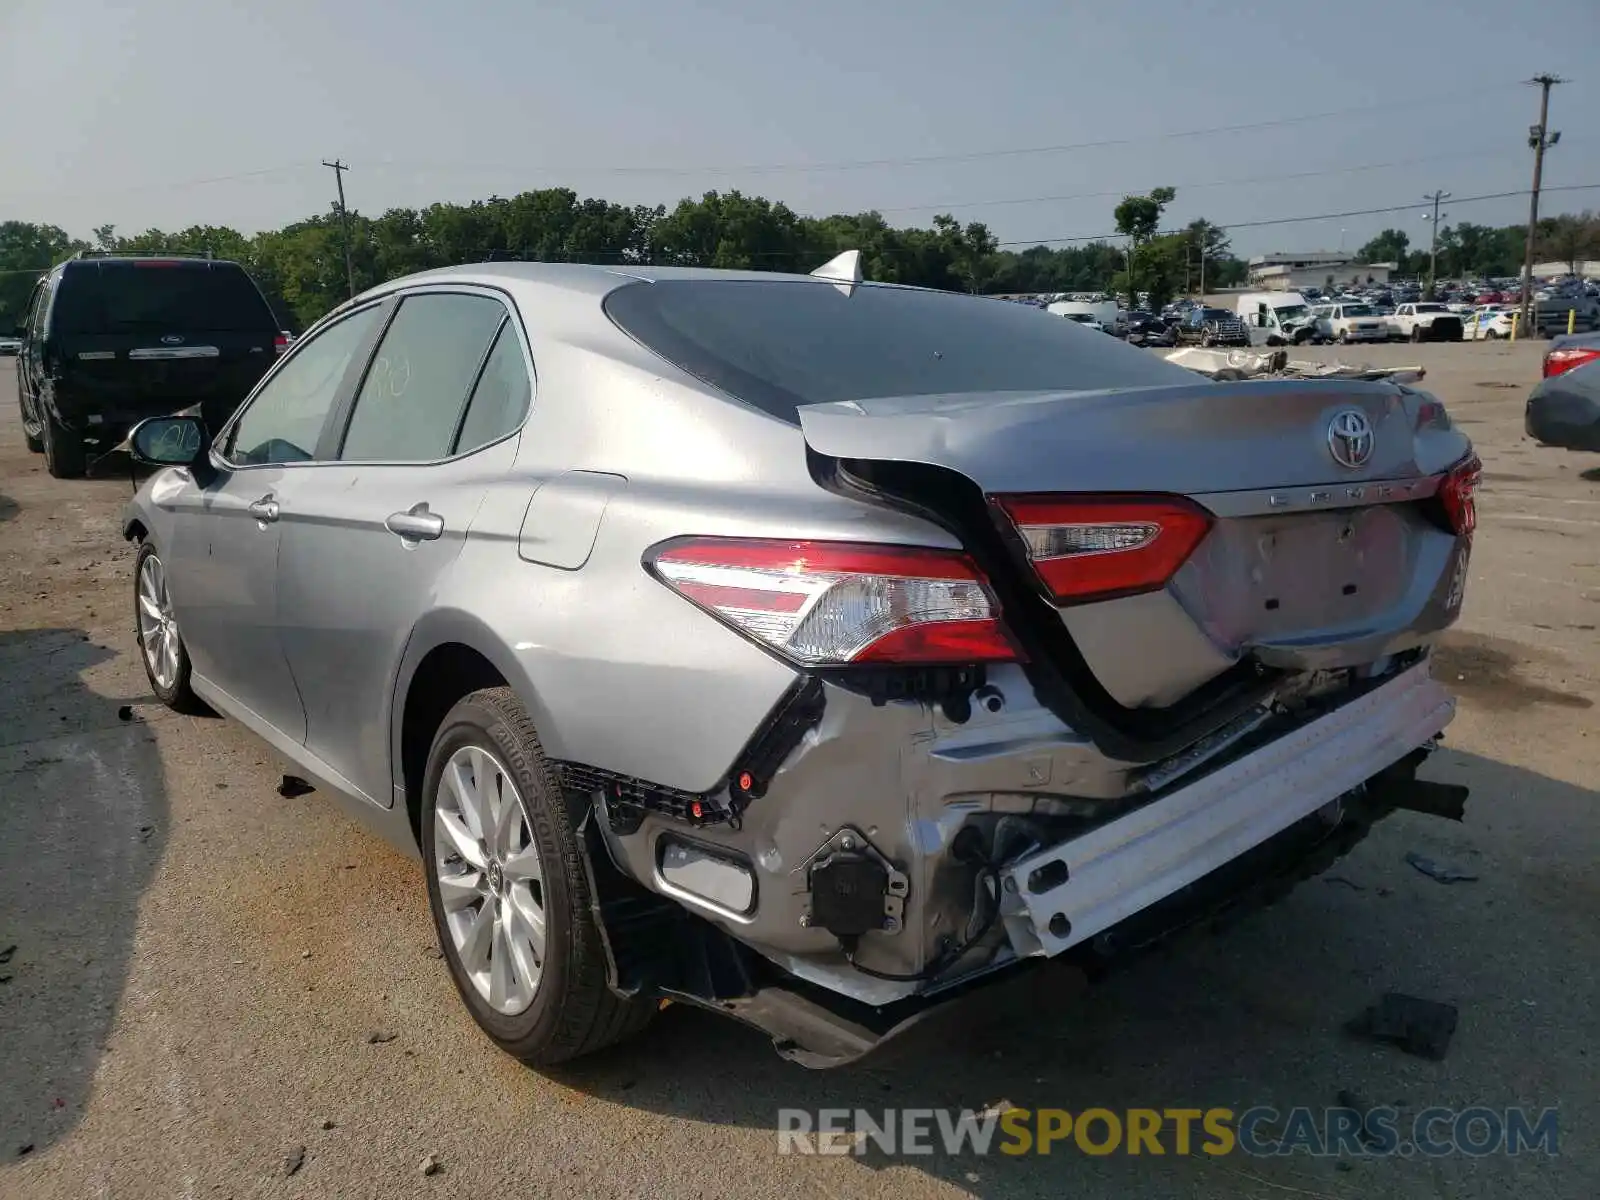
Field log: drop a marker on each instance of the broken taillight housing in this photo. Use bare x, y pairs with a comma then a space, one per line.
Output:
1085, 547
1458, 495
1558, 362
822, 603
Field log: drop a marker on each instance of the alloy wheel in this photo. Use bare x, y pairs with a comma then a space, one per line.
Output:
158, 628
491, 880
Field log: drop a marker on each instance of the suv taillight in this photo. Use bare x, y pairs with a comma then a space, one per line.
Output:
1559, 361
1458, 493
280, 343
831, 604
1087, 548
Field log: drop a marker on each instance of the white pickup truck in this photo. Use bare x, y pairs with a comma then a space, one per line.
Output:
1425, 321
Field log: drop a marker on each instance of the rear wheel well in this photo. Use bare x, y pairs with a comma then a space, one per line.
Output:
446, 674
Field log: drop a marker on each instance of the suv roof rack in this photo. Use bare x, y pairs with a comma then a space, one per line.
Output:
143, 254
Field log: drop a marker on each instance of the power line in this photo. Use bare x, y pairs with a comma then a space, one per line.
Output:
1388, 106
171, 185
1103, 237
1359, 212
1185, 187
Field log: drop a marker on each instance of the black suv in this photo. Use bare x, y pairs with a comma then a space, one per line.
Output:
109, 340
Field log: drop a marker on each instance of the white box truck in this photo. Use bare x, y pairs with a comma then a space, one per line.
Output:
1276, 318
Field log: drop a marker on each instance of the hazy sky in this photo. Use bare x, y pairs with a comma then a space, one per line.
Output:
175, 112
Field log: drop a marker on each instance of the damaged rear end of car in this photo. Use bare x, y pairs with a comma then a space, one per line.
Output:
1163, 649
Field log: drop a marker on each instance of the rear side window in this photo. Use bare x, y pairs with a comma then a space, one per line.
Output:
412, 398
784, 343
159, 296
501, 398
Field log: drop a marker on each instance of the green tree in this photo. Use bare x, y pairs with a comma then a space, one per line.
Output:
1138, 218
1388, 246
1569, 239
27, 251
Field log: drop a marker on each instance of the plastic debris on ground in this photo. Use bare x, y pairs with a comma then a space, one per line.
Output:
1239, 364
1420, 1027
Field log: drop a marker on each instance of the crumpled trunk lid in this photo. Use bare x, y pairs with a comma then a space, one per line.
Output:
1325, 549
1187, 439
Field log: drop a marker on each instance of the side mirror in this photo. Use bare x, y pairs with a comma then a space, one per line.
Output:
169, 441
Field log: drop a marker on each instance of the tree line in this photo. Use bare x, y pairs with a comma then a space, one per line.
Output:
301, 267
1469, 251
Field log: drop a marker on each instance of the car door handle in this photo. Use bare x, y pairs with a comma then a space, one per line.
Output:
264, 509
416, 524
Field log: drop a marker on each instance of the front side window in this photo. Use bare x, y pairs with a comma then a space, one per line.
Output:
285, 419
411, 401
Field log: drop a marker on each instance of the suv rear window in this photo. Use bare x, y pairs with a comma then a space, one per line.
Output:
159, 297
784, 343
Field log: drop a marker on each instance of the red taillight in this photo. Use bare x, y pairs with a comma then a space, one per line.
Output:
157, 263
1100, 547
1458, 493
840, 603
1560, 361
280, 343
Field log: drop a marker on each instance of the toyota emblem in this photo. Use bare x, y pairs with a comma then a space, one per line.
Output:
1350, 438
172, 339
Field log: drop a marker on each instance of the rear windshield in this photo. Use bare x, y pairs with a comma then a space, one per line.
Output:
159, 297
784, 343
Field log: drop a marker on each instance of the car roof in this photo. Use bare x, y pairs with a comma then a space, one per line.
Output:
590, 279
174, 260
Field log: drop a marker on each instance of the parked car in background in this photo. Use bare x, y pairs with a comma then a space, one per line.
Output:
1564, 407
1554, 316
1087, 321
1493, 323
1211, 327
759, 659
111, 339
10, 345
1425, 321
1102, 312
1349, 323
1146, 329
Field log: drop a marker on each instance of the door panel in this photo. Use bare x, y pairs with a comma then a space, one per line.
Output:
350, 589
369, 536
227, 535
222, 568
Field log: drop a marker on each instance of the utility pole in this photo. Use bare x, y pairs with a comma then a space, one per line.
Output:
339, 169
1541, 139
1433, 243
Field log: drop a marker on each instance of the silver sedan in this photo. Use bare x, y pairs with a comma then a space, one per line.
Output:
797, 646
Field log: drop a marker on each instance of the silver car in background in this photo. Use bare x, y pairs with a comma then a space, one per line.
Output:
806, 649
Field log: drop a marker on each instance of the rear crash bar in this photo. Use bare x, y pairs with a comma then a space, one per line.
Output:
1057, 898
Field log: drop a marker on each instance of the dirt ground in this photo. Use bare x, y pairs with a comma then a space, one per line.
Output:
199, 963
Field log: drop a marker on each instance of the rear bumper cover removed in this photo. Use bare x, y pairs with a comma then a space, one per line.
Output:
1057, 898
